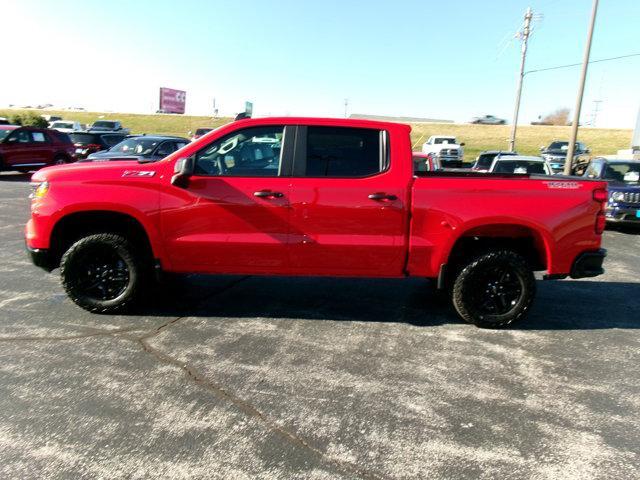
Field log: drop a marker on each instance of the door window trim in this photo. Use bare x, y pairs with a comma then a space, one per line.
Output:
289, 135
300, 154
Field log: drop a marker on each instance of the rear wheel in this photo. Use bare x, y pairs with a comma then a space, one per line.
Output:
494, 289
103, 273
60, 160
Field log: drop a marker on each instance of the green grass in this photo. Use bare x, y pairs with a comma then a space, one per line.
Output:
601, 141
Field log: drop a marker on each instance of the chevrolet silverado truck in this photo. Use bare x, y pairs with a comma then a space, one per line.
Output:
448, 151
312, 197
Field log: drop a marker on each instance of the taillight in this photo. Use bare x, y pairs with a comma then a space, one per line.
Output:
600, 195
601, 222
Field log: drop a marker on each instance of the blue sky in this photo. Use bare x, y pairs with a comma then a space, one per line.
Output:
451, 60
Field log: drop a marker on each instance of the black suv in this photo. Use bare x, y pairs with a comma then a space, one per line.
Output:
556, 154
87, 143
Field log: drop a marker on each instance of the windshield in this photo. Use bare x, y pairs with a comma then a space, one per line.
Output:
103, 124
84, 138
135, 146
62, 125
441, 140
4, 133
558, 146
625, 172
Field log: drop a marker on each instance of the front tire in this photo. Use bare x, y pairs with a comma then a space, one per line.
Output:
103, 273
494, 290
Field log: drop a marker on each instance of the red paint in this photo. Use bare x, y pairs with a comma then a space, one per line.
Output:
324, 226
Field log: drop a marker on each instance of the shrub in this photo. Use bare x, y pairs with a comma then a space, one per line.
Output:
29, 119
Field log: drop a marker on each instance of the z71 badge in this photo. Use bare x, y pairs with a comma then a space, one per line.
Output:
138, 173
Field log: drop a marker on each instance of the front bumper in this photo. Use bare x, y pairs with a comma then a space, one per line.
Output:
622, 215
41, 257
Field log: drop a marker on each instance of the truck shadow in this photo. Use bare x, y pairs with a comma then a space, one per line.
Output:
560, 305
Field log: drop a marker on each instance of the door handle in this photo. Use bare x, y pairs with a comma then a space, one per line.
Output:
382, 196
267, 194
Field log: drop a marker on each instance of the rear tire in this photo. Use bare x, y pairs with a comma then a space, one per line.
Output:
103, 273
494, 290
60, 160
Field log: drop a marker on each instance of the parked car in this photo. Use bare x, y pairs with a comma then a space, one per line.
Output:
143, 147
4, 121
520, 164
108, 126
200, 132
489, 120
623, 177
29, 148
332, 197
485, 159
67, 126
425, 162
446, 148
87, 143
556, 154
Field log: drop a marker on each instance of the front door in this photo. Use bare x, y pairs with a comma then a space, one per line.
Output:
348, 204
233, 217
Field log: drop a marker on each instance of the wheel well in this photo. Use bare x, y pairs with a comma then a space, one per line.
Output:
522, 240
78, 225
64, 155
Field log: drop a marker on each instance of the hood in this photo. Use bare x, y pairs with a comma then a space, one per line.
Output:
441, 146
94, 170
615, 186
555, 153
108, 155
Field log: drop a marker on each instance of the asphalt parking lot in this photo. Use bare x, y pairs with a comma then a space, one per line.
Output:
249, 377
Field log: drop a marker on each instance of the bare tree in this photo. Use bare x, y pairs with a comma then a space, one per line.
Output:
559, 117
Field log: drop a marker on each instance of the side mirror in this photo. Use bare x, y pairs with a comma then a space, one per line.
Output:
542, 148
182, 170
587, 150
462, 144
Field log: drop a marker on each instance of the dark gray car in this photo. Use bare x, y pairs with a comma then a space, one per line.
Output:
147, 148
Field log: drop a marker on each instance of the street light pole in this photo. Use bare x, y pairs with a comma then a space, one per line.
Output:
568, 164
525, 38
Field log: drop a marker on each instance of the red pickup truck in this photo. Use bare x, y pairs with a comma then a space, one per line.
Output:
301, 196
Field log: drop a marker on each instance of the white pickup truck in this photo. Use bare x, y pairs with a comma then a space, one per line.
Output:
447, 150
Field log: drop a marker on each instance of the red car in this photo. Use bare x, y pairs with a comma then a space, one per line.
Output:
29, 148
313, 197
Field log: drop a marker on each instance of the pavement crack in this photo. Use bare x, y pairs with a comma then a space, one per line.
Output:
243, 405
50, 338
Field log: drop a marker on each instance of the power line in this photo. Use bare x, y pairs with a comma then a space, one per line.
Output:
579, 64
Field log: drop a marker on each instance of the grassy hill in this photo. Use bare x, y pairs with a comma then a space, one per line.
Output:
602, 141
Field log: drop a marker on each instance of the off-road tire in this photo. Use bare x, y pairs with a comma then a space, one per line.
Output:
472, 296
82, 257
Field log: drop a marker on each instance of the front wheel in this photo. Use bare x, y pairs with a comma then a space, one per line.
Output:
494, 289
102, 273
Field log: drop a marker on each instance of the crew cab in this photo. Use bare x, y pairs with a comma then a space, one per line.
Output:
313, 197
448, 151
29, 148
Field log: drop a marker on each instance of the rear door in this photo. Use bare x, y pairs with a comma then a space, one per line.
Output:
348, 213
233, 217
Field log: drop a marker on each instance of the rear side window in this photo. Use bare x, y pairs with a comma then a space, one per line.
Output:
38, 137
344, 152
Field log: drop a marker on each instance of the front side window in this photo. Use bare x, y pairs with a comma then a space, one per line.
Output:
20, 136
136, 146
344, 152
252, 152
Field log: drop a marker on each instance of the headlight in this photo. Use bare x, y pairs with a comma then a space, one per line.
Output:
616, 197
39, 190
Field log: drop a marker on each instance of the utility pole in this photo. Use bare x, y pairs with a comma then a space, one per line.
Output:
524, 37
568, 164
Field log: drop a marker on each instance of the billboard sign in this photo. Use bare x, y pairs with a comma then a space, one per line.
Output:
172, 101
